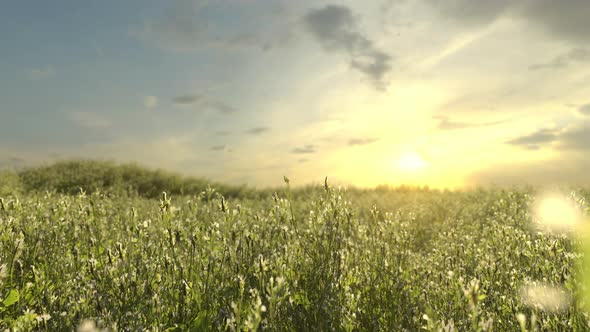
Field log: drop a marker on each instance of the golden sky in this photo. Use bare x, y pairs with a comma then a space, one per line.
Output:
425, 92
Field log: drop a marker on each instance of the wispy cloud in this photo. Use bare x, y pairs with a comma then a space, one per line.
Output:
150, 102
575, 55
37, 74
257, 130
446, 124
222, 133
307, 149
336, 29
469, 12
220, 106
362, 141
575, 138
188, 25
186, 99
89, 120
534, 140
566, 20
203, 102
222, 147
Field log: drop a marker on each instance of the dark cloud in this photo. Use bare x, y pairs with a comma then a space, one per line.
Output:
307, 149
584, 109
218, 148
577, 138
535, 140
336, 29
564, 60
257, 130
565, 19
446, 124
186, 99
362, 141
469, 12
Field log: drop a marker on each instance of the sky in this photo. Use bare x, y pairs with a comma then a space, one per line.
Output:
445, 93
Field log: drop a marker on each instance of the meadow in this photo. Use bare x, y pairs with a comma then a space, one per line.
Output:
93, 246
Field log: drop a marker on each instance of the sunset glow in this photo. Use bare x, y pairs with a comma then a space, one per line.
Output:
245, 92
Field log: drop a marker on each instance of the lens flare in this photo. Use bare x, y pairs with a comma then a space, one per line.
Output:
545, 297
555, 212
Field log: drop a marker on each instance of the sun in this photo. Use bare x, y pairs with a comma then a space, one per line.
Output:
411, 162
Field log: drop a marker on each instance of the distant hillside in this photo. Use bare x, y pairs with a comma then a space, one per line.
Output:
69, 176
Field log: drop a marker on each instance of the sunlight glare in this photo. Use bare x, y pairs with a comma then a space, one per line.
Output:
555, 212
411, 162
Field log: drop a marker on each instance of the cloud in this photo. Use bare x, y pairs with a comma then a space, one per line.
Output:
307, 149
176, 27
186, 99
362, 141
221, 148
222, 133
565, 19
302, 160
189, 25
575, 138
563, 60
476, 101
203, 102
220, 106
535, 140
37, 74
469, 12
150, 102
446, 124
89, 120
584, 109
257, 130
336, 29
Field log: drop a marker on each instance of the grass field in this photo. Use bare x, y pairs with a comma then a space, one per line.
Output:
116, 257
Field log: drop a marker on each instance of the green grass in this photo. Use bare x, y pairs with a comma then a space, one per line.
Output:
311, 259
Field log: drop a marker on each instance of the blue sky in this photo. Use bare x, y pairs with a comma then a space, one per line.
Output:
245, 91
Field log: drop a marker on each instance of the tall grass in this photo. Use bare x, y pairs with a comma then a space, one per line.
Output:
329, 260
